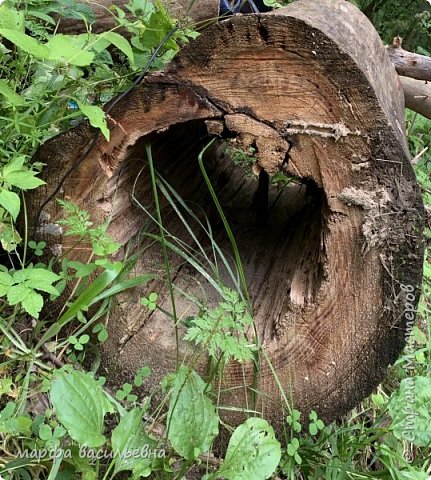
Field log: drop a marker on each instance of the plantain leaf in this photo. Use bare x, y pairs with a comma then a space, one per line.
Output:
193, 421
80, 405
253, 452
131, 445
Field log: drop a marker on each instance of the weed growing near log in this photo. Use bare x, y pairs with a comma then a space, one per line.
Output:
59, 422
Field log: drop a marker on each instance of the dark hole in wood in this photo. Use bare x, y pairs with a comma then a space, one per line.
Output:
283, 257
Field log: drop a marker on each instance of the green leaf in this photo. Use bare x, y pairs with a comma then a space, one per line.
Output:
33, 303
62, 47
37, 276
11, 18
129, 442
83, 301
121, 43
10, 95
24, 179
193, 422
410, 412
83, 339
96, 117
11, 202
17, 293
25, 42
6, 282
253, 452
80, 405
412, 474
122, 286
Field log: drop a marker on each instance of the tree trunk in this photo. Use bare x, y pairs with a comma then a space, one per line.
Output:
311, 88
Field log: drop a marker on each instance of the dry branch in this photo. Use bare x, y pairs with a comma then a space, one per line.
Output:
417, 94
409, 64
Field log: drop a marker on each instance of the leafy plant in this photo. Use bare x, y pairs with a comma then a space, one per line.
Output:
151, 301
222, 330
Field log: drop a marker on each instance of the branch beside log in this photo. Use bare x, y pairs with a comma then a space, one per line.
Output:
417, 95
407, 63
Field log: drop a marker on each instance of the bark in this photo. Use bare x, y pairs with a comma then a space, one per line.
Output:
311, 88
409, 64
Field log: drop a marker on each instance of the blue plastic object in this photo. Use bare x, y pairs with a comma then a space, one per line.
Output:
231, 7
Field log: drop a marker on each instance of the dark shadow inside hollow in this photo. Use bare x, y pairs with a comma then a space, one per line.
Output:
283, 256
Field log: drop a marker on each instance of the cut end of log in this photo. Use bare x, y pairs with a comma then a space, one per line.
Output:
325, 253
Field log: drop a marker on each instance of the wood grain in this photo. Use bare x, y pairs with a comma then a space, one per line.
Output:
312, 90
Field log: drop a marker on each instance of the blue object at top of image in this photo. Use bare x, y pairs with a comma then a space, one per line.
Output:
231, 7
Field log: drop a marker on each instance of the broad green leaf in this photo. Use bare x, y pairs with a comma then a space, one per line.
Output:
17, 293
11, 18
253, 452
41, 275
25, 42
10, 95
80, 405
62, 47
83, 301
24, 179
193, 421
11, 202
130, 443
5, 278
14, 165
412, 474
122, 44
96, 117
410, 411
33, 303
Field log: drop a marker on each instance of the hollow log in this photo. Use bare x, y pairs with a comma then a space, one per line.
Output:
332, 258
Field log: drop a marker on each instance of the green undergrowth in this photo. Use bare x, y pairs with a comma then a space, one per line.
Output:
61, 421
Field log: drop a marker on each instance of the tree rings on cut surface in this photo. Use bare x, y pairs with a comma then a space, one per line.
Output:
307, 91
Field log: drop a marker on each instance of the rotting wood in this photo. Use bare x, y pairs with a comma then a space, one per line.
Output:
312, 81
